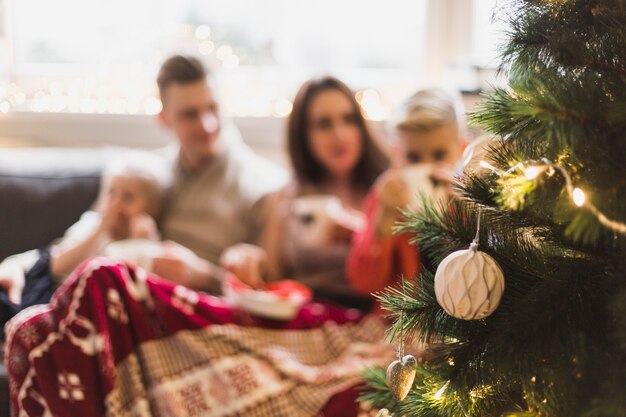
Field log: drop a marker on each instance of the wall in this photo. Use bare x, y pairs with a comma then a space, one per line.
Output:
23, 129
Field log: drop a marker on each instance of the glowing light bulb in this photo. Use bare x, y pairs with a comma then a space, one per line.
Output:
203, 32
282, 108
206, 47
533, 172
224, 52
579, 197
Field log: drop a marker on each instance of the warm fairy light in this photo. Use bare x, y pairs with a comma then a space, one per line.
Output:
224, 52
579, 197
203, 32
533, 379
206, 47
439, 393
533, 172
282, 108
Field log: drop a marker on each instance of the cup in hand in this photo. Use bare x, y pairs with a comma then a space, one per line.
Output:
419, 183
313, 216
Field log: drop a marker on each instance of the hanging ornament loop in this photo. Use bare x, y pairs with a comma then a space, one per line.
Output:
401, 372
474, 244
402, 336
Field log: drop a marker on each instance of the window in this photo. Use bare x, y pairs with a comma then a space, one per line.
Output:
101, 56
489, 30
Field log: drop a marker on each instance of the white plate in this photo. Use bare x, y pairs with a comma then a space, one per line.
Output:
263, 303
137, 251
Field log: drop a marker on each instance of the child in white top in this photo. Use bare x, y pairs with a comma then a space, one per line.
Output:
130, 199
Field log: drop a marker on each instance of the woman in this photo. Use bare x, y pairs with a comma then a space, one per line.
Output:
334, 159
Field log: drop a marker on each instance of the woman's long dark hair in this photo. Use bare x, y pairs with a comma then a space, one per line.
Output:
373, 160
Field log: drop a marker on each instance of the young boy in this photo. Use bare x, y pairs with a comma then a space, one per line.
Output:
130, 197
430, 131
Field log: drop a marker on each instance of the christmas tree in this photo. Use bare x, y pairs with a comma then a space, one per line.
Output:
552, 207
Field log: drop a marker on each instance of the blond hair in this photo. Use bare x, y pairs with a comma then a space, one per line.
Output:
429, 109
150, 169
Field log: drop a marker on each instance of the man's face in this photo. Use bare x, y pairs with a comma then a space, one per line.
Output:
191, 111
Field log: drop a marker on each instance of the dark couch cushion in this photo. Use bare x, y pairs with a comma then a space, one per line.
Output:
44, 191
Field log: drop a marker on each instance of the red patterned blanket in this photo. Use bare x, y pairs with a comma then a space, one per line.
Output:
115, 341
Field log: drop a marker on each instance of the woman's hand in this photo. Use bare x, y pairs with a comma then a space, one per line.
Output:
247, 262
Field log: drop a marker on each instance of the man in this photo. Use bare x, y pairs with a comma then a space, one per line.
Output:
216, 201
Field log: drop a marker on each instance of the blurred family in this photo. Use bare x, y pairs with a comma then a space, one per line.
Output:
208, 207
221, 208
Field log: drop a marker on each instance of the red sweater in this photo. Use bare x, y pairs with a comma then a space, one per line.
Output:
375, 263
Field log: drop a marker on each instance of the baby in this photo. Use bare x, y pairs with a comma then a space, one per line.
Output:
131, 193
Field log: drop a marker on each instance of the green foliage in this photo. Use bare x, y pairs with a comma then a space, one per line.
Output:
556, 345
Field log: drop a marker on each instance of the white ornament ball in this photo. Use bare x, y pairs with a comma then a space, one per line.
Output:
469, 284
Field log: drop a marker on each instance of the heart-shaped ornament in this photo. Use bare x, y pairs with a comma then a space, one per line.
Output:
400, 376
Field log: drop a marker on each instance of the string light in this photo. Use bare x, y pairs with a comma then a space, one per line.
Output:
203, 32
206, 47
282, 108
533, 172
577, 195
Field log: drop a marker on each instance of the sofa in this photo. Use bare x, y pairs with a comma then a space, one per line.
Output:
42, 192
